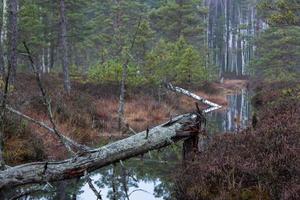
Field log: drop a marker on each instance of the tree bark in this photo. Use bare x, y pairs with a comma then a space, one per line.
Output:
2, 68
12, 35
213, 106
122, 98
179, 128
158, 137
64, 47
123, 81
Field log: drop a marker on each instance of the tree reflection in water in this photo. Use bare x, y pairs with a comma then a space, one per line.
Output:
150, 177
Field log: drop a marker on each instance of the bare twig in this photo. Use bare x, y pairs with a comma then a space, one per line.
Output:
113, 183
131, 129
136, 190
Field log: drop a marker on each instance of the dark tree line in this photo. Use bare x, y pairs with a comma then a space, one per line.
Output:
70, 36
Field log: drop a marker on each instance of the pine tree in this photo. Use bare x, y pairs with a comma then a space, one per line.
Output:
179, 18
12, 37
64, 46
278, 47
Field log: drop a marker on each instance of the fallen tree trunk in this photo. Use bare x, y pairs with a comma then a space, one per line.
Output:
155, 138
213, 106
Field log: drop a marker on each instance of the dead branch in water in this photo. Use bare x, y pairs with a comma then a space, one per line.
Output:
178, 128
158, 137
213, 106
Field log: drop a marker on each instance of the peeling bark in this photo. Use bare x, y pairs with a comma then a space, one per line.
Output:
179, 128
41, 172
213, 106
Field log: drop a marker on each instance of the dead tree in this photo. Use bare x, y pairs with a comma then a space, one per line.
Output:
178, 128
158, 137
123, 81
212, 106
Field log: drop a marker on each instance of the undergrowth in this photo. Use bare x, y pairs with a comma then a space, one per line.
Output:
259, 163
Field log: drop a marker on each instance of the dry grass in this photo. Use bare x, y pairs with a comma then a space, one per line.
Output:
90, 113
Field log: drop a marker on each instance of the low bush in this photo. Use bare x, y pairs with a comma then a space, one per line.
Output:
111, 71
259, 163
20, 144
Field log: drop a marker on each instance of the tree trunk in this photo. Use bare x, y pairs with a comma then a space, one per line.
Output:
61, 193
2, 68
227, 16
122, 98
179, 128
51, 54
64, 47
12, 35
239, 58
158, 137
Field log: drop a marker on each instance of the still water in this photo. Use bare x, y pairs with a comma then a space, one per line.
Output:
150, 177
152, 185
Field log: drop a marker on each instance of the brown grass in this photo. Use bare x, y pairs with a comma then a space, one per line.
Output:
258, 163
90, 112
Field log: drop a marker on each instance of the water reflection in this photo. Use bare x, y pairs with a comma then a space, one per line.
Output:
147, 179
150, 178
154, 183
142, 190
235, 117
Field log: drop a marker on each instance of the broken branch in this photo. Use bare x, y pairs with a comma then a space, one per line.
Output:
66, 139
213, 106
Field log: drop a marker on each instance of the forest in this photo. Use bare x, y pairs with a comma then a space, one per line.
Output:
150, 100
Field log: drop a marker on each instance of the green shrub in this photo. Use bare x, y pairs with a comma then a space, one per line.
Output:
177, 62
111, 71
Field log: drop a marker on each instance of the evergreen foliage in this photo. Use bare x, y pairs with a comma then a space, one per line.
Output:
278, 53
278, 46
178, 62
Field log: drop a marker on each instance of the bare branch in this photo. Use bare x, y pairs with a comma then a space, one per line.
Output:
136, 190
213, 106
47, 103
66, 139
92, 187
158, 137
